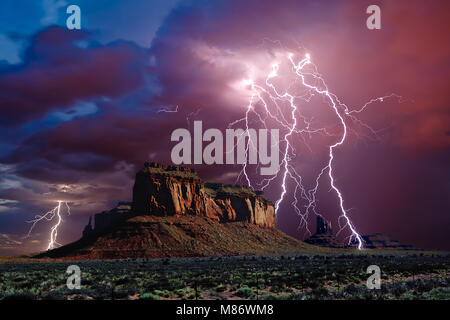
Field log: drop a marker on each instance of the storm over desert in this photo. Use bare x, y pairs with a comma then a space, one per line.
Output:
82, 109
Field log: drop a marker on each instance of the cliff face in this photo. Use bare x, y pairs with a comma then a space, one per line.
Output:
167, 191
173, 190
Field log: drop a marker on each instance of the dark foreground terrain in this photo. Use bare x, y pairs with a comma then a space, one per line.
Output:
413, 275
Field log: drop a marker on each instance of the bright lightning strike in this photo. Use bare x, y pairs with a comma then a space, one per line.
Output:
271, 98
53, 214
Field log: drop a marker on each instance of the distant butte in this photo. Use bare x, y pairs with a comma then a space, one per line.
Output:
324, 235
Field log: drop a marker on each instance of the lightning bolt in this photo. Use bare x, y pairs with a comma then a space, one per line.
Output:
268, 95
53, 214
167, 110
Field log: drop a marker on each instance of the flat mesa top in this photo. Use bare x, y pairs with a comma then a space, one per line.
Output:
176, 171
212, 188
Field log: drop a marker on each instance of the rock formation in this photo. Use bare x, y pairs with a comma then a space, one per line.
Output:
165, 191
176, 214
324, 235
88, 230
173, 190
106, 218
383, 241
323, 227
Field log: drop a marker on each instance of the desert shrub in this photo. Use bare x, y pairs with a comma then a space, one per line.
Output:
439, 294
221, 288
423, 286
121, 280
175, 283
18, 295
245, 292
234, 287
148, 296
408, 296
320, 293
399, 288
122, 294
180, 292
351, 289
158, 292
313, 284
289, 290
164, 293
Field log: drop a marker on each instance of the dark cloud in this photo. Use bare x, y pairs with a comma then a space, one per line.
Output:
61, 67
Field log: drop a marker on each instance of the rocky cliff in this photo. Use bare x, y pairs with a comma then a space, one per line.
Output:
165, 191
176, 214
172, 190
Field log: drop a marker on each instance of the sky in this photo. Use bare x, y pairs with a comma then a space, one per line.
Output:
82, 110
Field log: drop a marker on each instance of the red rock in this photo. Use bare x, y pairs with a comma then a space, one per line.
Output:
169, 191
175, 214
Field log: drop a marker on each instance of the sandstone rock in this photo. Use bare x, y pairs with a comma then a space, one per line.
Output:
165, 191
173, 190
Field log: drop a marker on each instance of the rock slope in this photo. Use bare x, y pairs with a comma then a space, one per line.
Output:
149, 236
